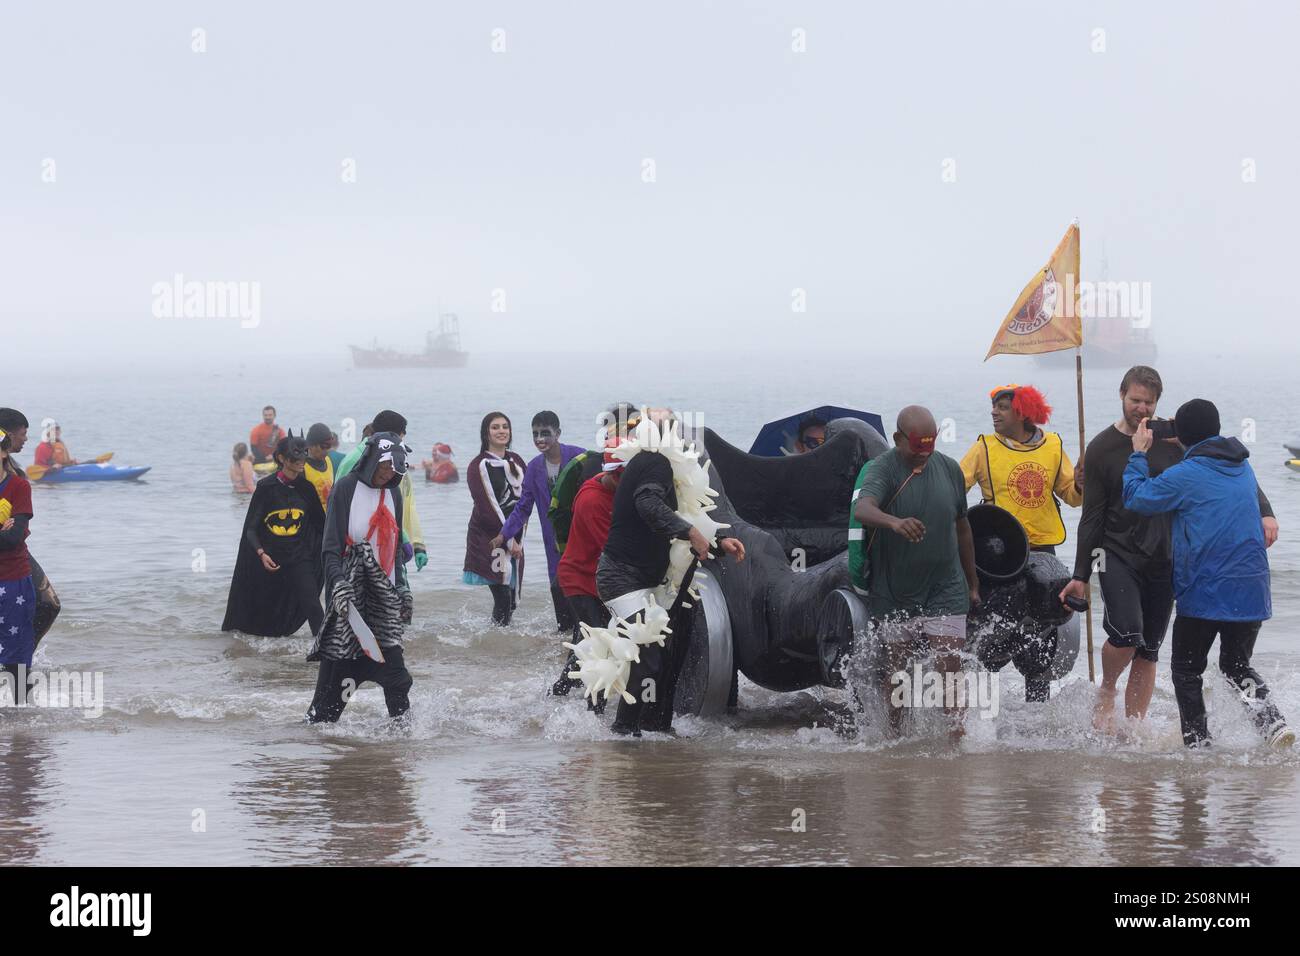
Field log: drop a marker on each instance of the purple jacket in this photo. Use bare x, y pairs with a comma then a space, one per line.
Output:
536, 488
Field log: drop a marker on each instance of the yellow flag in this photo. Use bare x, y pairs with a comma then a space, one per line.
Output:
1045, 317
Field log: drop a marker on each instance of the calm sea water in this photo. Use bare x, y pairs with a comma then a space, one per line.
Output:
200, 755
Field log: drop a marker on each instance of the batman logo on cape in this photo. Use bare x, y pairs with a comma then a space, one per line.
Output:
287, 521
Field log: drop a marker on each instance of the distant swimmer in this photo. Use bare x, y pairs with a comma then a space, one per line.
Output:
1023, 469
264, 437
440, 468
52, 452
242, 477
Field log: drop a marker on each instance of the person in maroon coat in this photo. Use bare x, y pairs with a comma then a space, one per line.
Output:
495, 480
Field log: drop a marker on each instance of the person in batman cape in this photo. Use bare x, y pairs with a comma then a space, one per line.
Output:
365, 573
278, 573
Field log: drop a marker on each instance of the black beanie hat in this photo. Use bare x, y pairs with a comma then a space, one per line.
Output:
1196, 421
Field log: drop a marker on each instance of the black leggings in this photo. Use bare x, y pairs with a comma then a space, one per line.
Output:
337, 681
1193, 637
503, 603
300, 578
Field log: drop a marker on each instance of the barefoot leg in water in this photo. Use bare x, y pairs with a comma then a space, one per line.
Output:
1114, 661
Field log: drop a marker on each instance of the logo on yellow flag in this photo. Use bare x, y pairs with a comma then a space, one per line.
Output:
1045, 317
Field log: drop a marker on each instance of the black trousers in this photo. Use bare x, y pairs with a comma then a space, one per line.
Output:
300, 578
503, 603
585, 609
563, 616
337, 681
1193, 637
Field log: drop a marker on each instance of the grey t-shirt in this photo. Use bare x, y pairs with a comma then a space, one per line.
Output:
925, 578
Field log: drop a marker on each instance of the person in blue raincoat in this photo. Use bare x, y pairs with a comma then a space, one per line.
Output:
1221, 576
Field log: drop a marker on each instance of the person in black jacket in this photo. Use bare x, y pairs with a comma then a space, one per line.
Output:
635, 559
277, 580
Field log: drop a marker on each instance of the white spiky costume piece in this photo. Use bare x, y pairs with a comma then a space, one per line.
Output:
606, 654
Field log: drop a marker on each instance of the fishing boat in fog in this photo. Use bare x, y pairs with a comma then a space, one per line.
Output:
442, 349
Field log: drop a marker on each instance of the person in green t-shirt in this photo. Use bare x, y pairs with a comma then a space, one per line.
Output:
912, 506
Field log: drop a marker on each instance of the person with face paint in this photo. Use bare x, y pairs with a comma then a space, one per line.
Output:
14, 424
495, 479
539, 482
277, 579
365, 577
1023, 469
911, 508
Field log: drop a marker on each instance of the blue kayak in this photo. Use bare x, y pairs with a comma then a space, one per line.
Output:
102, 472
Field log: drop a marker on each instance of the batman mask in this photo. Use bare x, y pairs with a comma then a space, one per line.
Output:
291, 448
284, 522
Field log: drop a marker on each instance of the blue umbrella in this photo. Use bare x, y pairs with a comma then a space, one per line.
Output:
777, 438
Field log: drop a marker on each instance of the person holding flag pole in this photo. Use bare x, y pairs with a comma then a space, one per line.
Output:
1045, 318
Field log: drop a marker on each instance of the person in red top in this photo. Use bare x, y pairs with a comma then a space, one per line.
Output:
17, 592
52, 452
264, 437
593, 509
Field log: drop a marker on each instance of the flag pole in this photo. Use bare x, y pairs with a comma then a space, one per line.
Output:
1087, 585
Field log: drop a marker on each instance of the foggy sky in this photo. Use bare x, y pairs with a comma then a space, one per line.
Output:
522, 170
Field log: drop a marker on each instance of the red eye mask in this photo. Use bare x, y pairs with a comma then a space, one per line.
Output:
920, 444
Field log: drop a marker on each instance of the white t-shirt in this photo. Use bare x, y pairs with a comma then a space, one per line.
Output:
365, 500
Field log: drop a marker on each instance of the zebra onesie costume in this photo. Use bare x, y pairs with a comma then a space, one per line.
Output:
364, 571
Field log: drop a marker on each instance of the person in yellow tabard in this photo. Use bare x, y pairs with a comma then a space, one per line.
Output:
320, 467
1024, 469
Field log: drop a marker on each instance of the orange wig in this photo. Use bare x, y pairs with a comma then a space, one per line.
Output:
1026, 401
